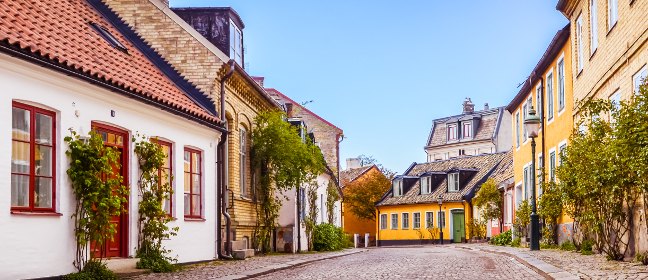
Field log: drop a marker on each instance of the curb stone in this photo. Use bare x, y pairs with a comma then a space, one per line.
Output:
278, 267
541, 267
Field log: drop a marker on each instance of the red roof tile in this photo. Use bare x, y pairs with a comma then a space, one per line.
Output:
60, 32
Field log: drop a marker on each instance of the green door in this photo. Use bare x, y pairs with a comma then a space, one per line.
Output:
458, 226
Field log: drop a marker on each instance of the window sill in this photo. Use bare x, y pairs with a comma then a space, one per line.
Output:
245, 198
37, 214
194, 219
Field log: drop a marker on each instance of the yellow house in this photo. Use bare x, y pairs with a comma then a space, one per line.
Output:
433, 201
549, 90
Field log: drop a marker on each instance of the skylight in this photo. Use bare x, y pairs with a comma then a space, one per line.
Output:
108, 36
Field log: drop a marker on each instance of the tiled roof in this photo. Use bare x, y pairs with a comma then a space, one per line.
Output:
284, 98
486, 166
486, 130
504, 170
58, 32
349, 175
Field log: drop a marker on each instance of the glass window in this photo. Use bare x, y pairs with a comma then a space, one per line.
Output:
539, 101
550, 97
517, 129
552, 165
639, 78
561, 85
398, 187
383, 221
405, 220
452, 132
394, 221
33, 159
525, 112
166, 173
426, 185
193, 183
441, 219
453, 182
593, 27
417, 221
243, 161
236, 44
467, 130
429, 219
526, 182
579, 42
561, 151
613, 13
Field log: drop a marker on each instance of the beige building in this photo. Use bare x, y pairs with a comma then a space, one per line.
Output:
470, 133
202, 44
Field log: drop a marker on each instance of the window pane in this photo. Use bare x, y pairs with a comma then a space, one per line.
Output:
167, 206
196, 205
187, 182
195, 163
20, 124
20, 157
43, 193
187, 204
111, 138
187, 159
19, 190
43, 129
167, 156
43, 161
195, 184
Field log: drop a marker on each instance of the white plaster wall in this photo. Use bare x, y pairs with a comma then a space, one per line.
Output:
39, 246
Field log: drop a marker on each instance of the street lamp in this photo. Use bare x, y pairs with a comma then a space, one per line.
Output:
532, 125
439, 217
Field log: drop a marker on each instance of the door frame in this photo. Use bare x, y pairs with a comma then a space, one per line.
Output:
123, 217
453, 212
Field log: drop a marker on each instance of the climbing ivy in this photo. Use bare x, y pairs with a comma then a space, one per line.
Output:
98, 190
332, 196
310, 220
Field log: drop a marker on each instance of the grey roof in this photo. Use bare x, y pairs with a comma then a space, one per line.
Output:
349, 175
488, 127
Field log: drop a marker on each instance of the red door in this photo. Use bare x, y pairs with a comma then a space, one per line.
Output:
118, 246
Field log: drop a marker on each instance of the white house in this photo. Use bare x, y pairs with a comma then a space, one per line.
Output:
85, 70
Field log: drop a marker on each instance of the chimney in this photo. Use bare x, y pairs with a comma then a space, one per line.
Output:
486, 107
468, 106
353, 163
259, 80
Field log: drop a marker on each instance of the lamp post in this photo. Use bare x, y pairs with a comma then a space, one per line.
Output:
532, 125
439, 217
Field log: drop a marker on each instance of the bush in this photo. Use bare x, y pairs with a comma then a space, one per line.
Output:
567, 246
155, 262
327, 237
516, 242
92, 270
586, 247
502, 239
642, 258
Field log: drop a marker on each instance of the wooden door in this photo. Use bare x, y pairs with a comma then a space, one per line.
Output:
118, 245
458, 227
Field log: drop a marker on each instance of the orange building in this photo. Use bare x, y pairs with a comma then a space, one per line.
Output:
351, 223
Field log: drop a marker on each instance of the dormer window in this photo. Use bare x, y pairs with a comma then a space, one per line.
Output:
467, 130
426, 185
452, 132
453, 182
398, 188
236, 43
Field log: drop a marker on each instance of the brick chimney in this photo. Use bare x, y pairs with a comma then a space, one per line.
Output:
468, 106
353, 163
486, 107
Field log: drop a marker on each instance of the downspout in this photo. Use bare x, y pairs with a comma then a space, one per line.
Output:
298, 219
378, 229
221, 189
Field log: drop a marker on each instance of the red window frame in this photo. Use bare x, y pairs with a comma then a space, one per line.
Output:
32, 157
169, 170
191, 172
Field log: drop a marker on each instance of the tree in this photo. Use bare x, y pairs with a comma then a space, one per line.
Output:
370, 160
522, 218
361, 195
489, 201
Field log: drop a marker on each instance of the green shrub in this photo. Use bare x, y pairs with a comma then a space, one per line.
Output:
327, 237
567, 246
642, 257
156, 262
586, 247
92, 270
502, 239
516, 242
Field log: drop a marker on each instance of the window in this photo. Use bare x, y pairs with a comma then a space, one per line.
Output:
561, 152
526, 182
639, 78
398, 187
394, 221
613, 13
552, 165
539, 101
453, 182
616, 102
525, 113
112, 40
508, 208
517, 129
166, 172
33, 160
452, 132
467, 130
550, 96
192, 183
236, 44
579, 42
242, 161
405, 220
383, 221
540, 172
593, 27
426, 185
441, 219
429, 219
561, 85
417, 221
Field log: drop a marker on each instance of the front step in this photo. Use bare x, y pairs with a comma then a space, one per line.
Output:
125, 267
243, 254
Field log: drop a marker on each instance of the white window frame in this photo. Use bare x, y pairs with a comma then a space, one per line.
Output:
427, 221
517, 129
561, 146
525, 181
454, 136
552, 164
508, 208
560, 76
613, 13
615, 98
414, 214
579, 43
454, 182
538, 90
593, 26
383, 221
551, 101
394, 222
636, 78
441, 220
405, 223
397, 187
463, 130
236, 43
525, 112
426, 184
242, 162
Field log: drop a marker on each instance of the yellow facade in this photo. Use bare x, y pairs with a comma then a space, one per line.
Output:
556, 127
400, 235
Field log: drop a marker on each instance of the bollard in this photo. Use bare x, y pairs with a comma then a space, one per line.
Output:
366, 240
356, 238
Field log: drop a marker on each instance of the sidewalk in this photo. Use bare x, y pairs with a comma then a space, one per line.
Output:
559, 264
245, 269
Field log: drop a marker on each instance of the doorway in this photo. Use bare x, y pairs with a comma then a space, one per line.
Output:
458, 226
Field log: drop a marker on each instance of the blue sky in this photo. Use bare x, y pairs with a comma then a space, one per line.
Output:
383, 70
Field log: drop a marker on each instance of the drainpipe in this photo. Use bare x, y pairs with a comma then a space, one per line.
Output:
221, 189
378, 230
542, 126
298, 219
